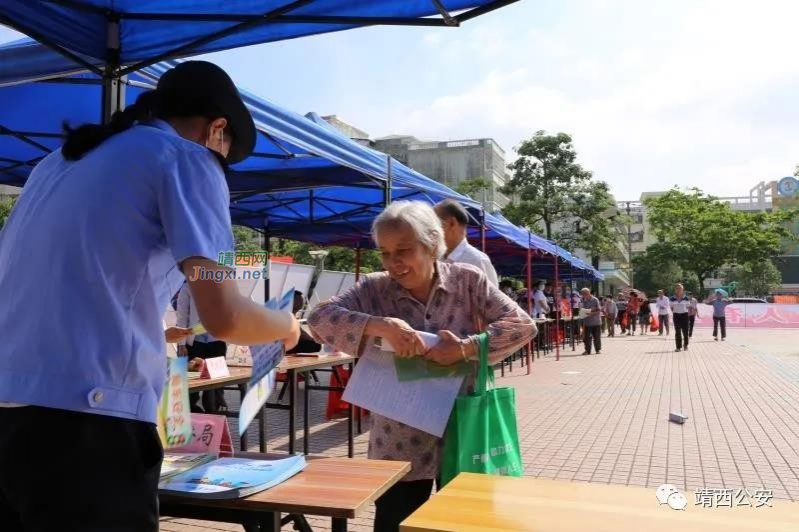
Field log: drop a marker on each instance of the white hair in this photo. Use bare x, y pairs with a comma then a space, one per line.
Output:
422, 220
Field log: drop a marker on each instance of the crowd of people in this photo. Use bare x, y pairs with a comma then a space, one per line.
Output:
634, 312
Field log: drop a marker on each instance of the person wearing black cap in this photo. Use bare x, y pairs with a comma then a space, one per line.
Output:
105, 231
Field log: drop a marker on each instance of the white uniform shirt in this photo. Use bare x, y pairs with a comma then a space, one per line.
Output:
540, 302
663, 304
468, 254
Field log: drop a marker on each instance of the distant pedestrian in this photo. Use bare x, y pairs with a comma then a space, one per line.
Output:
719, 303
679, 309
592, 322
611, 312
621, 305
662, 303
644, 313
633, 306
693, 310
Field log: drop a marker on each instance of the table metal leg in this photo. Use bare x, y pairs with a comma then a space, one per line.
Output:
242, 393
350, 436
262, 429
292, 376
268, 522
339, 524
306, 423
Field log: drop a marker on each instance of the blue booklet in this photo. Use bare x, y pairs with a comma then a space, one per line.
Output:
232, 478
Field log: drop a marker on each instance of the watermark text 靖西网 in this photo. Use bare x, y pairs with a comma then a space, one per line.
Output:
242, 258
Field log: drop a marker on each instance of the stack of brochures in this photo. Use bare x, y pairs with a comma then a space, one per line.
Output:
232, 478
176, 463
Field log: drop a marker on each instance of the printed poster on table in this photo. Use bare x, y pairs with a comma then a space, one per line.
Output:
265, 359
174, 415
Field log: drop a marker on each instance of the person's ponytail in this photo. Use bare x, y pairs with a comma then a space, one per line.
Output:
83, 139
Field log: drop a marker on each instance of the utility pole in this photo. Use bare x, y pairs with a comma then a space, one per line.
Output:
630, 244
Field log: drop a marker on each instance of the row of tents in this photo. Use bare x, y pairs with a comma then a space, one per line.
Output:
305, 181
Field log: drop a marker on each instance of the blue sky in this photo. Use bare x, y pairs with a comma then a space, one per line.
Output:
655, 94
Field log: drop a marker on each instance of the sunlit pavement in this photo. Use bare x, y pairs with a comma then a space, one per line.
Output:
605, 418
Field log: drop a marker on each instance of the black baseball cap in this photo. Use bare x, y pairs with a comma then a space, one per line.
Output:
204, 88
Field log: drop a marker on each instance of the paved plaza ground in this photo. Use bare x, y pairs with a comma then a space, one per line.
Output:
605, 418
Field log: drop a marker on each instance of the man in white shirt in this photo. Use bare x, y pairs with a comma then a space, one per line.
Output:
541, 305
454, 220
663, 303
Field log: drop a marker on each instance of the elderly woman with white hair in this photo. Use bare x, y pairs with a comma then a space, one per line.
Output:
418, 292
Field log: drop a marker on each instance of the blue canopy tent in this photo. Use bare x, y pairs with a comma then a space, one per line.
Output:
290, 152
114, 38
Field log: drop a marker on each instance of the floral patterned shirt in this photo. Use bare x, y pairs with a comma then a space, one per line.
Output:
461, 301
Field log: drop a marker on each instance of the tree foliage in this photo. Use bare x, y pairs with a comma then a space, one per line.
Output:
338, 259
652, 273
550, 189
701, 234
6, 205
597, 223
757, 279
468, 187
546, 177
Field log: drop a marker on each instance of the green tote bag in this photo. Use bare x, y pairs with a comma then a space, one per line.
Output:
482, 436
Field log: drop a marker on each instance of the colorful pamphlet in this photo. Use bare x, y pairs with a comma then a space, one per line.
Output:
174, 415
232, 478
265, 359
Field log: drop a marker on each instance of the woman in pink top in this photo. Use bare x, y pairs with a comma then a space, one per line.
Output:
418, 292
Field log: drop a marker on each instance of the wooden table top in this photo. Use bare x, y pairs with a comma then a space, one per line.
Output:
241, 374
482, 503
305, 363
328, 487
238, 375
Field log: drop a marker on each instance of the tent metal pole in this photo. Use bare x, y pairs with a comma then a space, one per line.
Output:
267, 247
387, 186
358, 263
483, 229
113, 98
557, 311
529, 295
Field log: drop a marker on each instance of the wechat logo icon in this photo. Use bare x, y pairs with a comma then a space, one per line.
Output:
668, 494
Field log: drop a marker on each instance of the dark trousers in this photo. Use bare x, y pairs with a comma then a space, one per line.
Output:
691, 321
595, 332
719, 321
681, 330
632, 320
212, 399
399, 502
62, 470
663, 321
612, 325
620, 320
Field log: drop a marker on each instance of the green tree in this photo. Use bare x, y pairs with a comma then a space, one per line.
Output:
758, 279
246, 239
597, 222
471, 187
701, 234
6, 205
546, 179
796, 171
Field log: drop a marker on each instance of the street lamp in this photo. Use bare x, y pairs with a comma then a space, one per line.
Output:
319, 256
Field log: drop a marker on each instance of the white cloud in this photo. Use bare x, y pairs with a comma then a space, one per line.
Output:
677, 105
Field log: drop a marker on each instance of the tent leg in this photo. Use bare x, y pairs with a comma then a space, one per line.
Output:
557, 311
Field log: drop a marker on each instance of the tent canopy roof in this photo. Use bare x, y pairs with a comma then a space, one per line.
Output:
136, 33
